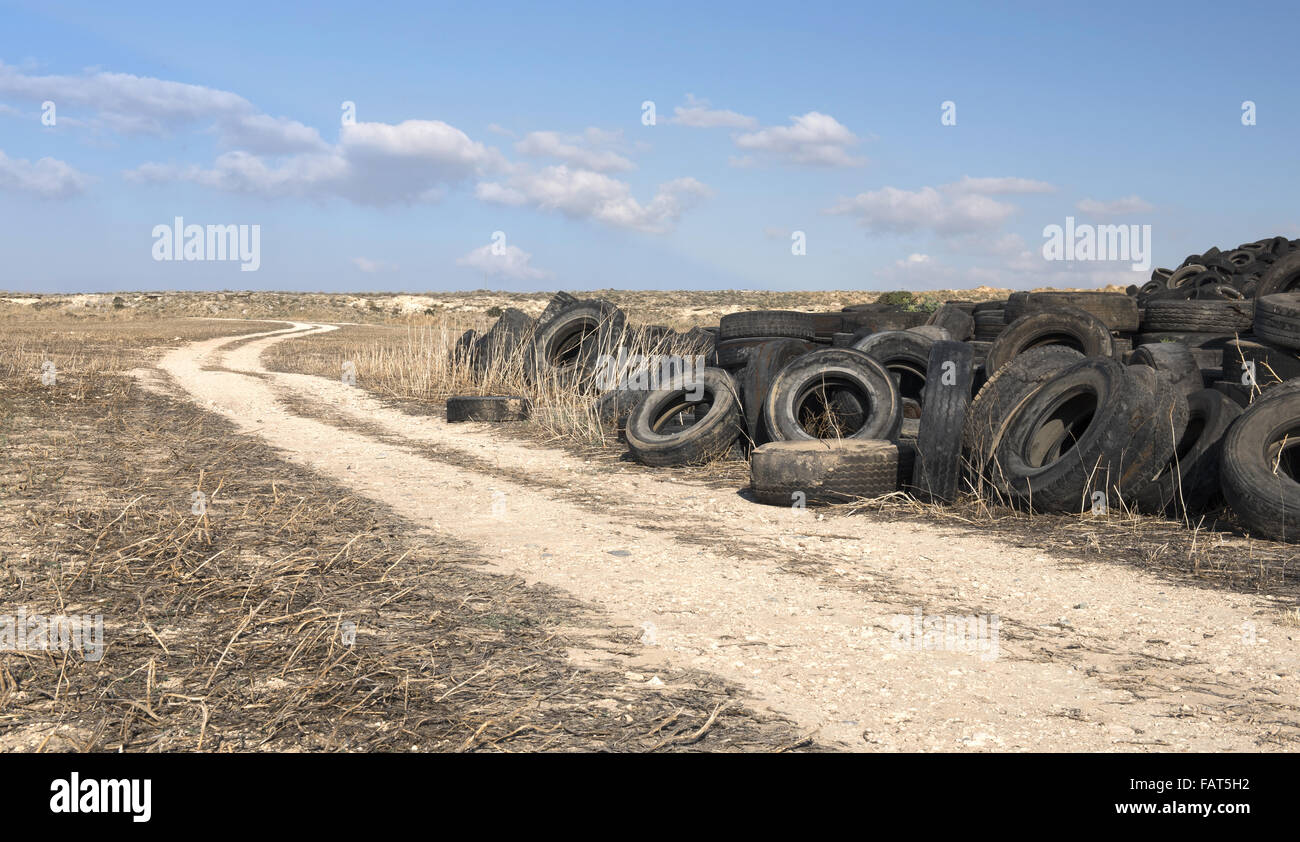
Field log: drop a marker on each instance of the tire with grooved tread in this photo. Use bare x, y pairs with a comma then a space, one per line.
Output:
1199, 315
1257, 473
1175, 361
937, 474
1114, 309
824, 471
819, 384
652, 441
1189, 482
775, 323
1065, 326
1277, 319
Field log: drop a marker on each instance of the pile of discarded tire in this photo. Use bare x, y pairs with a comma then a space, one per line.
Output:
1168, 404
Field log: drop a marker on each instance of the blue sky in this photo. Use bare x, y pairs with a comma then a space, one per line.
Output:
527, 120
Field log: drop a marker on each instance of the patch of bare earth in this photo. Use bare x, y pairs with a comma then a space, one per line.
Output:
811, 614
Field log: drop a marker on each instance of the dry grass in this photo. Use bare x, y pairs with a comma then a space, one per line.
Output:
224, 629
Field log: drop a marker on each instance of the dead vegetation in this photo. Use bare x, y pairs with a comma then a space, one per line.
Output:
224, 623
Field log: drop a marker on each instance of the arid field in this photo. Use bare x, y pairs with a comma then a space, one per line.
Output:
526, 586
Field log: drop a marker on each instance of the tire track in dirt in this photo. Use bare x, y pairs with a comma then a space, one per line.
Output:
1093, 657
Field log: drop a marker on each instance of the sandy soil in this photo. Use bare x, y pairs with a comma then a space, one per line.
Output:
802, 609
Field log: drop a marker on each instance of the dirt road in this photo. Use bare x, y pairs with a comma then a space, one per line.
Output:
814, 615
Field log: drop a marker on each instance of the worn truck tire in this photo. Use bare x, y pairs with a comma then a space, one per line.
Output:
1199, 315
1116, 310
823, 471
937, 475
1282, 276
998, 399
1066, 326
808, 396
1189, 482
905, 354
654, 439
734, 354
755, 381
774, 323
957, 320
486, 408
567, 345
1259, 464
1277, 319
1070, 439
1175, 361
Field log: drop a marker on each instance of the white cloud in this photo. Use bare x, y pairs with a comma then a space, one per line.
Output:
697, 114
583, 194
945, 212
134, 105
815, 140
1115, 207
1000, 186
373, 164
371, 267
579, 151
48, 178
505, 262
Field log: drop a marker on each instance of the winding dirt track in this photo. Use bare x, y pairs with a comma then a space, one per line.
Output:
800, 610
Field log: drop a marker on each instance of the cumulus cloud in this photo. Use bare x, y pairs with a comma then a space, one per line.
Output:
583, 194
814, 140
373, 164
135, 105
1115, 207
958, 209
696, 113
503, 262
943, 211
583, 151
48, 178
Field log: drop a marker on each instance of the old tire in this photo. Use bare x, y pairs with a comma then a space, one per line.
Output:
486, 408
567, 345
1069, 441
1277, 319
1199, 315
937, 474
1175, 361
823, 471
712, 403
1189, 482
1066, 326
1259, 465
1116, 310
1282, 276
774, 323
807, 398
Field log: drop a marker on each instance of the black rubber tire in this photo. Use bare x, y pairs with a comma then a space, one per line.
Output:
1266, 500
989, 324
866, 321
734, 354
755, 380
1066, 326
1189, 483
487, 408
558, 302
822, 380
1014, 307
614, 407
1163, 420
1277, 319
505, 341
1114, 309
568, 344
937, 475
998, 399
1272, 365
1175, 361
957, 320
709, 438
823, 471
932, 332
1199, 316
1282, 276
767, 323
905, 354
463, 351
826, 325
1070, 439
